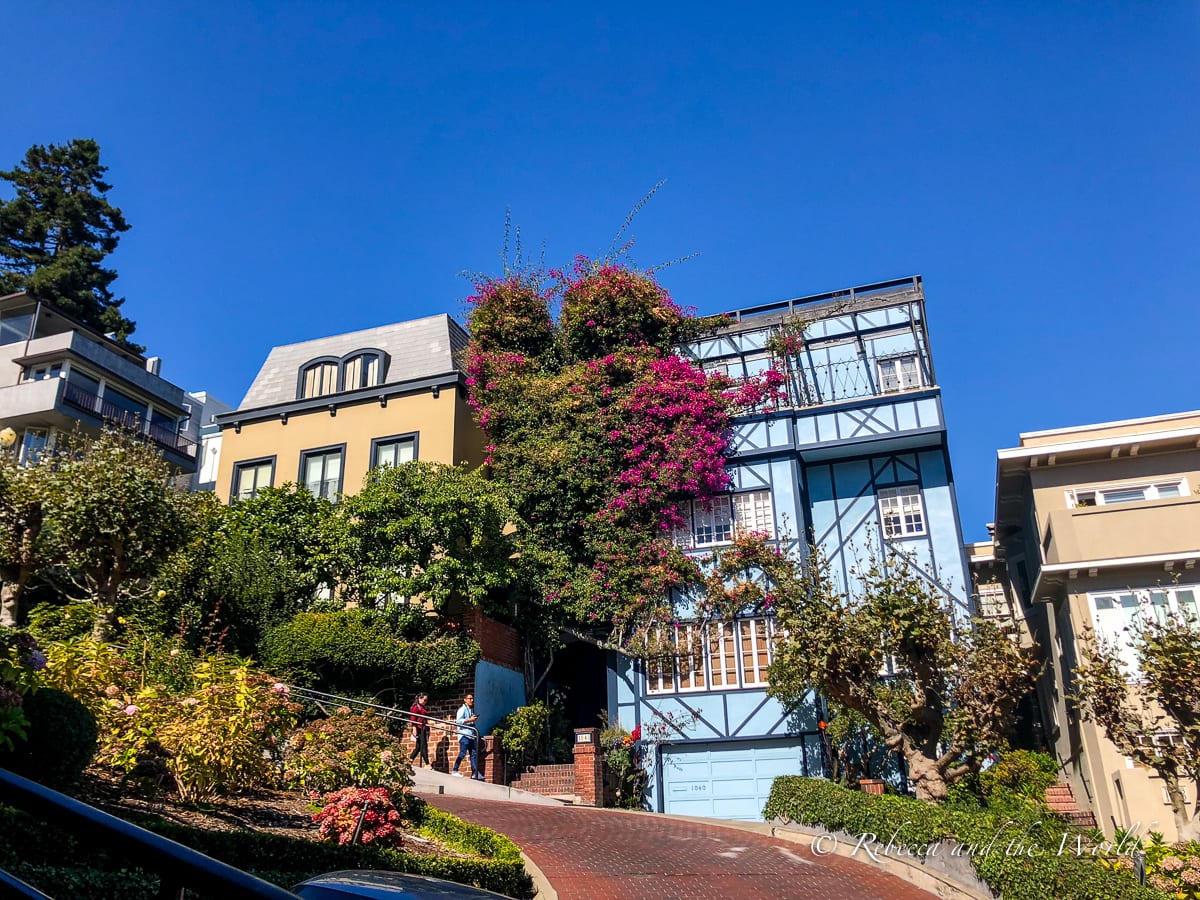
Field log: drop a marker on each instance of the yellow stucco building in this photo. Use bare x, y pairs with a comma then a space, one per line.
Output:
323, 413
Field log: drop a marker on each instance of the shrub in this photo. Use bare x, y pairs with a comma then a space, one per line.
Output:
625, 772
20, 660
218, 730
346, 750
365, 813
1024, 774
357, 651
61, 743
61, 621
1039, 872
58, 863
524, 733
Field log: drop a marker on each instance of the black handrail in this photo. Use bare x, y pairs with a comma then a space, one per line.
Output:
177, 866
321, 700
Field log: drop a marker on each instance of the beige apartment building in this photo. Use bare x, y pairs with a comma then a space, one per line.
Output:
323, 413
1096, 526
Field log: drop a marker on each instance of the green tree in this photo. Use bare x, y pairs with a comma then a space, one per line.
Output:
950, 694
270, 557
1161, 700
26, 548
432, 531
117, 519
57, 230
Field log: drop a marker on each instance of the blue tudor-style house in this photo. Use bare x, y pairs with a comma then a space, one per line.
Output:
859, 451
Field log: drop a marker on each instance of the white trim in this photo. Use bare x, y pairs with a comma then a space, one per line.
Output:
1118, 424
1016, 453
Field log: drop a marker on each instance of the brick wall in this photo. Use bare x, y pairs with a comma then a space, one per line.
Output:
549, 780
498, 643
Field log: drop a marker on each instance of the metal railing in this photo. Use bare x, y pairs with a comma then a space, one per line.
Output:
177, 866
324, 702
84, 400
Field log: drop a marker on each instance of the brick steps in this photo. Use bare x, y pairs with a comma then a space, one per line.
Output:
1061, 799
549, 780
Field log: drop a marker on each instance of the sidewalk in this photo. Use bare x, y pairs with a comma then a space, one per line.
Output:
597, 854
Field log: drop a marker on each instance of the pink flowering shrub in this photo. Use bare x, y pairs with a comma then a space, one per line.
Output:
346, 750
344, 810
604, 430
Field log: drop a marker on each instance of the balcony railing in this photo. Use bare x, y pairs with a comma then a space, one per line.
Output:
851, 379
81, 398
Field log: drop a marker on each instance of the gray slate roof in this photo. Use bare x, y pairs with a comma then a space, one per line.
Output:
416, 349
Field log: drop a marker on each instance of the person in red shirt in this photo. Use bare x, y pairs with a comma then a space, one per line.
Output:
420, 728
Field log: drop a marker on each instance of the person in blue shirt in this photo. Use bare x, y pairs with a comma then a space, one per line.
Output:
467, 740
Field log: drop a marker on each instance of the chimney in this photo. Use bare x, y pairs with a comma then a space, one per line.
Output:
154, 365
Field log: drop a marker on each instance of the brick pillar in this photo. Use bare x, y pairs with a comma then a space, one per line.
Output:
589, 767
491, 759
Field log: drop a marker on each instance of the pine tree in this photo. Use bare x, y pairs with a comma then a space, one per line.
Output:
58, 229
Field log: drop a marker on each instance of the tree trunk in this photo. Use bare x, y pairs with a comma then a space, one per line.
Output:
928, 780
1187, 825
10, 604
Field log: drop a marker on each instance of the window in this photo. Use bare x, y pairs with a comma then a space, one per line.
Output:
706, 523
722, 654
251, 477
321, 472
901, 512
899, 373
41, 373
14, 328
714, 656
1117, 616
186, 417
1127, 493
712, 522
363, 370
33, 445
756, 638
990, 602
319, 379
122, 408
393, 451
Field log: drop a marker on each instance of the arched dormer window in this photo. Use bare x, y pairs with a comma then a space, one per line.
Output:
318, 378
362, 369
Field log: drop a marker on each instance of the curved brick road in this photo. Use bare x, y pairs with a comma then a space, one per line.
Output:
597, 854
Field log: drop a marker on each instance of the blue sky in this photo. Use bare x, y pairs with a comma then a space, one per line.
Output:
300, 169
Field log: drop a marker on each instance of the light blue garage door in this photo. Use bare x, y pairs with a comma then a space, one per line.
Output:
729, 780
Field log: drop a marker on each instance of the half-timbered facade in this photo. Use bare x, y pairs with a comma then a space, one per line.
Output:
857, 454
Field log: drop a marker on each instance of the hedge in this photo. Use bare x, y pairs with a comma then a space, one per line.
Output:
34, 851
356, 651
1046, 875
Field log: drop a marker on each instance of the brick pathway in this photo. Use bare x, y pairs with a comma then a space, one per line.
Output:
596, 854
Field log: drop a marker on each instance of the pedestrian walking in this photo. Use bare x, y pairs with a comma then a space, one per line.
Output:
420, 729
467, 737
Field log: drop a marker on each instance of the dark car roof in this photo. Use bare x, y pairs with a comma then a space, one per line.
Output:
385, 886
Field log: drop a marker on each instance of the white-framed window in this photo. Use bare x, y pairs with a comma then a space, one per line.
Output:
899, 373
712, 657
722, 655
41, 373
712, 522
756, 643
1117, 615
251, 477
990, 602
1127, 493
708, 523
321, 472
901, 512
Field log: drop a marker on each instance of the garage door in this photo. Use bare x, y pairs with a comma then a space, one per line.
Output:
729, 780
